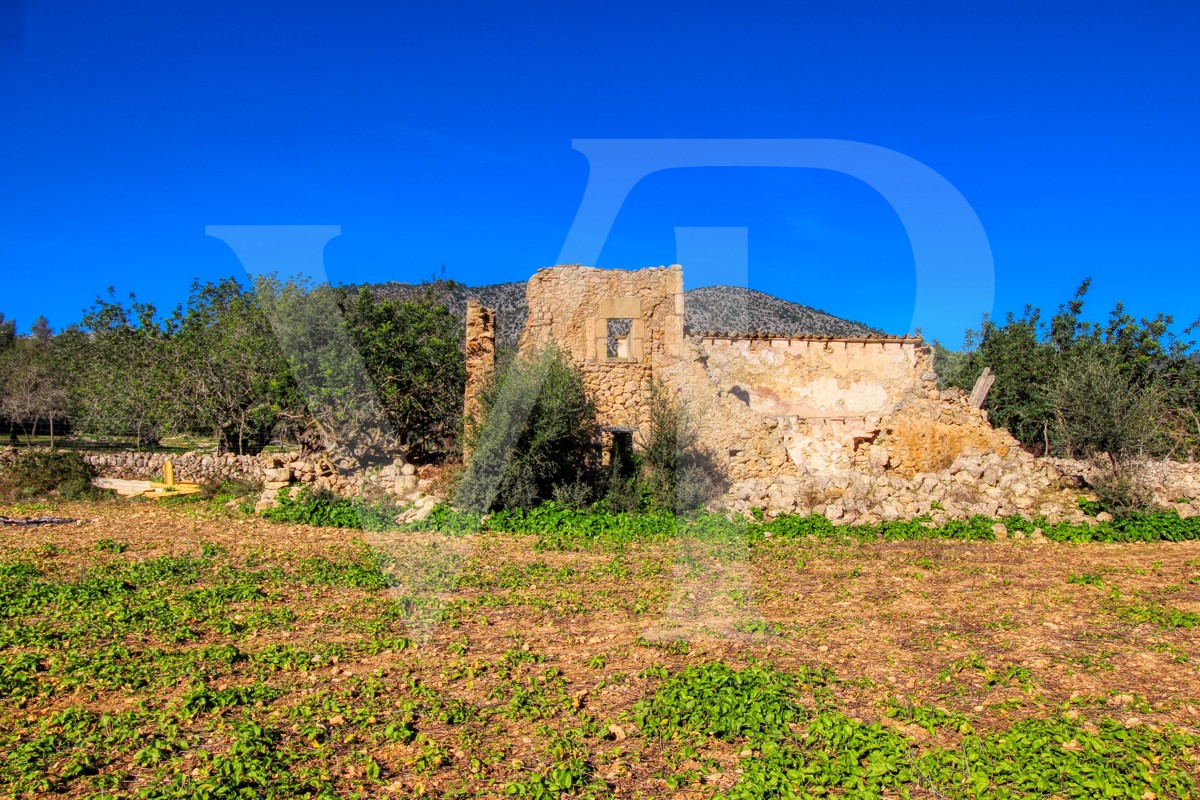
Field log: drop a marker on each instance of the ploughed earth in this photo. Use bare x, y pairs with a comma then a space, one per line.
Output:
180, 650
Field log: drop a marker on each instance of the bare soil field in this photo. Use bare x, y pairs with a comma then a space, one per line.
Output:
182, 651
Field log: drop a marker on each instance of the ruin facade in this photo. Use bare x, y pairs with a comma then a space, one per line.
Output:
814, 415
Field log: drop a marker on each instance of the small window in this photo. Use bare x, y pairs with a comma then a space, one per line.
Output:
618, 338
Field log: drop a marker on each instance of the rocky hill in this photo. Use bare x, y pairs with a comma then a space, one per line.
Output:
711, 308
734, 308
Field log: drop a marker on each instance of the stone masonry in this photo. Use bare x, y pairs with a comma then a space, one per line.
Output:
480, 352
854, 428
572, 307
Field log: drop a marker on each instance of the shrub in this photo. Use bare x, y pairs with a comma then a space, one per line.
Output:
537, 432
574, 495
43, 472
1120, 486
715, 700
1100, 409
677, 474
1104, 415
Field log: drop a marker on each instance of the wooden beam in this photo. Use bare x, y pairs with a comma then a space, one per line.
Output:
982, 386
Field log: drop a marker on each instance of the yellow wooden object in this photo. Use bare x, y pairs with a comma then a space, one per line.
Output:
163, 490
130, 488
168, 473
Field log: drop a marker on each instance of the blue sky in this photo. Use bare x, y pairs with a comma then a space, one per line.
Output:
442, 135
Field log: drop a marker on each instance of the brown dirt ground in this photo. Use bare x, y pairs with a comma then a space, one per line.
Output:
924, 621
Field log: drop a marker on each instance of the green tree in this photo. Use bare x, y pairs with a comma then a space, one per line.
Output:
1044, 369
1023, 365
370, 378
32, 390
8, 332
123, 372
412, 350
1102, 409
536, 433
229, 365
40, 330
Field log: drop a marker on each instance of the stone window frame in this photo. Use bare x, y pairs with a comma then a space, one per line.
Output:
629, 308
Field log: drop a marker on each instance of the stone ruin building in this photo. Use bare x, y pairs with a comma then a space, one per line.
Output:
854, 428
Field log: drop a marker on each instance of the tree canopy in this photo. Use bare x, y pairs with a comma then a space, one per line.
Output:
1075, 387
336, 370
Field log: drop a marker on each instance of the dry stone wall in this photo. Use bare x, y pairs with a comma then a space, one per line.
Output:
193, 467
1174, 484
269, 472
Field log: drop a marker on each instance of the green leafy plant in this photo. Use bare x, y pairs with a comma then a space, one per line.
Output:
324, 509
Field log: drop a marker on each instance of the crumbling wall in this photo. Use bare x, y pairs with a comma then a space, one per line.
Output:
817, 378
480, 354
927, 434
826, 396
855, 429
741, 443
570, 306
866, 404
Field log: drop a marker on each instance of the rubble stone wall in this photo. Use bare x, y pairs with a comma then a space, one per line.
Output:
269, 471
570, 306
480, 353
192, 467
620, 391
1171, 481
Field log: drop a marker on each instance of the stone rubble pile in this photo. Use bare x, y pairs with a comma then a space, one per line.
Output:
975, 483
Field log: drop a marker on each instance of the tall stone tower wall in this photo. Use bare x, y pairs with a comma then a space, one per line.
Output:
481, 353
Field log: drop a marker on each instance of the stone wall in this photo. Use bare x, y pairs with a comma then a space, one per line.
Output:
818, 378
825, 396
620, 391
740, 442
853, 428
480, 353
767, 408
268, 472
867, 434
1174, 483
192, 467
570, 306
